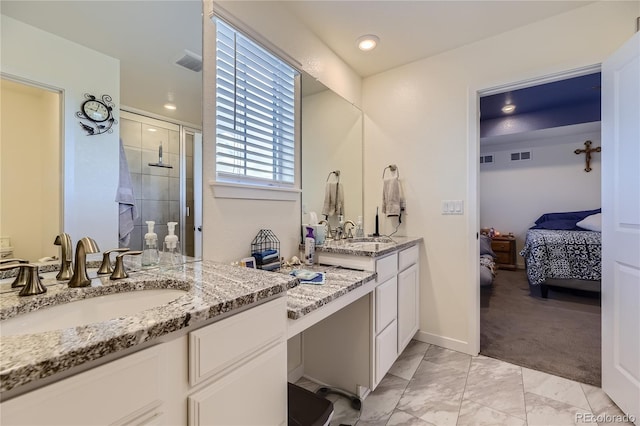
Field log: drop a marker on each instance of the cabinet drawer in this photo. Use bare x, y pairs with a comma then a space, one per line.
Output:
500, 245
504, 258
408, 257
387, 267
386, 303
222, 346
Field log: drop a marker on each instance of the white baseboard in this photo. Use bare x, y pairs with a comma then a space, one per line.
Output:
445, 342
296, 374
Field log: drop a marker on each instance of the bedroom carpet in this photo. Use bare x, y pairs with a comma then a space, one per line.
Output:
559, 335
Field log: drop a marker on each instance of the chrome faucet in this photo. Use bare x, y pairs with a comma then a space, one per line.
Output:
348, 234
32, 284
64, 241
80, 277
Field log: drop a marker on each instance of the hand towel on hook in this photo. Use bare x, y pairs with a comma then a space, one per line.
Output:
393, 202
333, 199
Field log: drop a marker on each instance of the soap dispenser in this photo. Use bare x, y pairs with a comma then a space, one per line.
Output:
171, 255
150, 251
359, 228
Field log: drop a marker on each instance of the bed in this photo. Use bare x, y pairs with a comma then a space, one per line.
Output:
569, 257
487, 262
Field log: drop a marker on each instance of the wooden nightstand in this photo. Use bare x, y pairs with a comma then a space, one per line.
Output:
505, 250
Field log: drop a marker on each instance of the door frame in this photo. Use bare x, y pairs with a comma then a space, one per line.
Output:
473, 184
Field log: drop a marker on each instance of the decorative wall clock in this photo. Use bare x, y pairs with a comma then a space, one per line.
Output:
99, 114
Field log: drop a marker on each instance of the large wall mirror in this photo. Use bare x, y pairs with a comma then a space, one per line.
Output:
331, 146
146, 39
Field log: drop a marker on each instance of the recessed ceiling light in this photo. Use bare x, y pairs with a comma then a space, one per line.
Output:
508, 109
151, 129
367, 42
172, 107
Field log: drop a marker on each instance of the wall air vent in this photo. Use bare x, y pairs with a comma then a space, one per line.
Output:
520, 156
486, 159
190, 61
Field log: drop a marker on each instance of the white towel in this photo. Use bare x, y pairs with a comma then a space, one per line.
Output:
333, 199
392, 197
128, 212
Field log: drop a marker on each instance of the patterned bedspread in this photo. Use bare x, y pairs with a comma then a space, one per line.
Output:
562, 255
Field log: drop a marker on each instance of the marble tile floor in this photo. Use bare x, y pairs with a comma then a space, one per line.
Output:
429, 385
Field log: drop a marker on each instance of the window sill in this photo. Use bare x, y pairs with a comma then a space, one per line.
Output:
253, 192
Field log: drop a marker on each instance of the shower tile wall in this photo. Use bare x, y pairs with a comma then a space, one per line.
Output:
157, 189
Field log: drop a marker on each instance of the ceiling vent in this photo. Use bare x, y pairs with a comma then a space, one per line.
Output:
190, 61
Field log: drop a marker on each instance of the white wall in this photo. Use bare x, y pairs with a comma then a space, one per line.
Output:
416, 116
90, 162
229, 225
513, 194
276, 24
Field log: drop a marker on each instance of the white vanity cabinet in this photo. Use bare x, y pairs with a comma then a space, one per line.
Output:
393, 312
230, 372
408, 296
396, 301
238, 369
130, 390
385, 308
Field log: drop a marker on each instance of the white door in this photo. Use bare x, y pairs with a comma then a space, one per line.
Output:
621, 227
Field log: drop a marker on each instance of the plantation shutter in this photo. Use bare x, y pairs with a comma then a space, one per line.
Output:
255, 101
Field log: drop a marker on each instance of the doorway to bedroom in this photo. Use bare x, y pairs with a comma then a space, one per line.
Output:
531, 163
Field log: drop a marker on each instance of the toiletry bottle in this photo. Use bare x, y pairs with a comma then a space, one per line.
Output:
309, 246
150, 250
171, 248
359, 229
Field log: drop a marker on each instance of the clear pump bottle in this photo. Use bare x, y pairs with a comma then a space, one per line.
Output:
359, 228
171, 255
150, 251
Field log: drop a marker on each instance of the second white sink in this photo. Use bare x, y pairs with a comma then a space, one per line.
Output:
87, 311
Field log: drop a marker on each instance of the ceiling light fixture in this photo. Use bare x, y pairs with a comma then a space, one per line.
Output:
508, 109
367, 42
172, 107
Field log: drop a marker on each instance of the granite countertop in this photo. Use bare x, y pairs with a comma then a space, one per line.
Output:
212, 289
370, 247
306, 298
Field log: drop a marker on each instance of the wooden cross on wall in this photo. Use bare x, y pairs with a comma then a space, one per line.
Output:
587, 151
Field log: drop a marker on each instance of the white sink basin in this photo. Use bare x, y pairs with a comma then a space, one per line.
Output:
87, 311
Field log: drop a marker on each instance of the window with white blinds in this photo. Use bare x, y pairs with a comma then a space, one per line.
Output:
255, 112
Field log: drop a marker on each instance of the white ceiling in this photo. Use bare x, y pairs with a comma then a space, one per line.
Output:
412, 30
148, 36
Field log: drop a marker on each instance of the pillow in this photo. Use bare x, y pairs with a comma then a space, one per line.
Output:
566, 215
563, 221
485, 246
558, 224
591, 223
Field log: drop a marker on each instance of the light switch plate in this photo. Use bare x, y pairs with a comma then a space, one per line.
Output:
452, 207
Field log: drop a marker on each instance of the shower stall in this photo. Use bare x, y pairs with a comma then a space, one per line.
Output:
163, 162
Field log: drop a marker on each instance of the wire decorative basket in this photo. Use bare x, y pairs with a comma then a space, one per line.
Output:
265, 248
